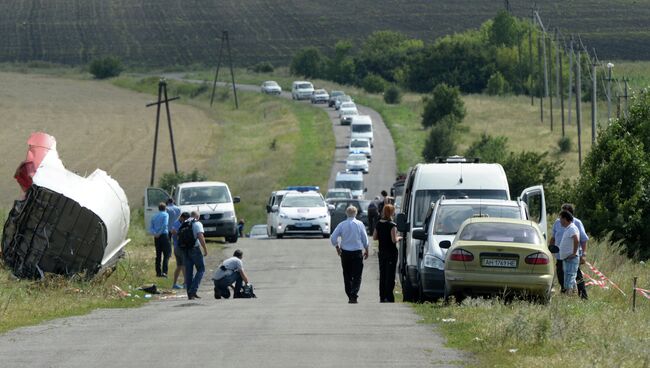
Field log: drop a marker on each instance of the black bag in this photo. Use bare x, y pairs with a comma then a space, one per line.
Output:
186, 237
247, 292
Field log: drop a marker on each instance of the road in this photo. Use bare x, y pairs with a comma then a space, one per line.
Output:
301, 318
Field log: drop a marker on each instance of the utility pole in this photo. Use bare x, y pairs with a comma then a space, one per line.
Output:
561, 89
541, 90
578, 106
530, 54
550, 86
625, 97
224, 40
609, 91
162, 99
594, 99
570, 80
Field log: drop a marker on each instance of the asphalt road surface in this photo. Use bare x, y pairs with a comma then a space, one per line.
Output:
301, 317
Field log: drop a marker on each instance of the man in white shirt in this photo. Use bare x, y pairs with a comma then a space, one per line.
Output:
193, 257
229, 271
569, 251
351, 242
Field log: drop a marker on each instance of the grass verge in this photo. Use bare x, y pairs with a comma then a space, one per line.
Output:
601, 332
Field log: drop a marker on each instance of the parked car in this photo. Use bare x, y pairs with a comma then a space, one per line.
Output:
301, 90
497, 256
332, 101
340, 99
271, 88
338, 193
357, 162
320, 96
338, 212
272, 218
258, 232
360, 146
302, 214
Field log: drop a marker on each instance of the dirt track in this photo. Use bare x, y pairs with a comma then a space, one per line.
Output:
96, 125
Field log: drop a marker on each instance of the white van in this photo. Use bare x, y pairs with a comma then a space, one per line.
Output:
352, 181
361, 127
454, 177
211, 199
302, 90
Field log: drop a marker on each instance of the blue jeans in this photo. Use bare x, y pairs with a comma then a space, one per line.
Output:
570, 266
222, 284
193, 257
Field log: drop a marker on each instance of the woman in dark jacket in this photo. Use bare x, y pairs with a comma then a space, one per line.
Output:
386, 233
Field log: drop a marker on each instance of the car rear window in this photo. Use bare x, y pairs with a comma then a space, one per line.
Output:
500, 232
450, 217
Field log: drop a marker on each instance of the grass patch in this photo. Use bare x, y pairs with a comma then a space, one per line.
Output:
567, 330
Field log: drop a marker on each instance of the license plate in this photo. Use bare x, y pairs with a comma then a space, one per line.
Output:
210, 228
303, 224
506, 263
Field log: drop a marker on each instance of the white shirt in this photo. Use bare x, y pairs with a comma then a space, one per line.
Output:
566, 244
232, 264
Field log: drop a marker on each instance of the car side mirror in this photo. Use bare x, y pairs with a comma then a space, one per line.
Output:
402, 225
275, 208
554, 249
365, 190
445, 244
420, 234
236, 199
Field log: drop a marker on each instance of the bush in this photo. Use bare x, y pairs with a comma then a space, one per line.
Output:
169, 180
262, 67
525, 169
497, 85
308, 62
489, 149
106, 68
445, 101
392, 95
441, 140
564, 144
373, 83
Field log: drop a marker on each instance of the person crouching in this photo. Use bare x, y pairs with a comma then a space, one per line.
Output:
229, 272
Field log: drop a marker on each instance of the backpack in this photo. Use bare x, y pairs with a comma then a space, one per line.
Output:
186, 237
247, 292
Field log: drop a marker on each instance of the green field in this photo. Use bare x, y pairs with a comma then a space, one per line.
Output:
170, 32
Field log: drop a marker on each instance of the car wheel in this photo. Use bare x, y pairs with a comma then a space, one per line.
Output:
279, 236
231, 239
409, 293
326, 236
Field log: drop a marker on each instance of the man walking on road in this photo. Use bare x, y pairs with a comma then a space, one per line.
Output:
351, 242
193, 257
160, 231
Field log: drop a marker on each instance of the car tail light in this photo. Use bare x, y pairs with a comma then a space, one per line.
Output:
461, 255
538, 258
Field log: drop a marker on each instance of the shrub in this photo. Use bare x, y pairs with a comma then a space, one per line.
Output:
525, 169
106, 68
392, 95
445, 101
497, 85
373, 83
440, 142
564, 144
262, 67
308, 62
169, 180
489, 149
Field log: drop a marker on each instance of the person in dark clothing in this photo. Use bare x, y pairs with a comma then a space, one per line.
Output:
373, 215
386, 233
382, 202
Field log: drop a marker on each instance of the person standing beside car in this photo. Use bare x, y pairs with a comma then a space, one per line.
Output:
386, 233
556, 236
178, 251
160, 231
193, 257
351, 243
569, 255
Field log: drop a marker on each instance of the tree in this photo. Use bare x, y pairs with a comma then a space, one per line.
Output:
497, 85
445, 101
612, 192
169, 180
440, 142
504, 30
308, 62
392, 95
525, 169
373, 83
489, 149
383, 52
107, 67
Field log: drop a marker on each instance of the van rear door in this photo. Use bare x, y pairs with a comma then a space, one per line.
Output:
536, 201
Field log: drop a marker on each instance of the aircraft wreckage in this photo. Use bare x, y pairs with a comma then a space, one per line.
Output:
64, 224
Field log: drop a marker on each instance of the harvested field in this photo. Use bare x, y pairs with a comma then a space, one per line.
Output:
97, 125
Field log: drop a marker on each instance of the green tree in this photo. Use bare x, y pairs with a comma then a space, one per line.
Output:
489, 149
107, 67
441, 140
497, 85
383, 52
613, 189
444, 101
525, 169
308, 62
169, 180
373, 83
504, 30
392, 95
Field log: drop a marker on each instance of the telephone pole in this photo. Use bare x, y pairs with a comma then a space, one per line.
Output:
578, 106
594, 95
162, 99
570, 80
224, 40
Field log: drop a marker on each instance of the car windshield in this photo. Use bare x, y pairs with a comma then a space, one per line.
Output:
360, 143
270, 84
349, 112
357, 158
424, 198
336, 93
450, 217
350, 184
303, 201
305, 86
500, 232
200, 195
361, 128
348, 105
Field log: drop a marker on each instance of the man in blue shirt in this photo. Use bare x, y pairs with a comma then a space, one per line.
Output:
351, 242
174, 213
556, 237
159, 228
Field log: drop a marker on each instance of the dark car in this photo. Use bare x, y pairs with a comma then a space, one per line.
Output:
333, 95
338, 213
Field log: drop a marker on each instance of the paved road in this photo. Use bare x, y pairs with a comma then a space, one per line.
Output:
300, 319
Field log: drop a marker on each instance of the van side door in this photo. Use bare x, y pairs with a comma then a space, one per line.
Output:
535, 199
152, 198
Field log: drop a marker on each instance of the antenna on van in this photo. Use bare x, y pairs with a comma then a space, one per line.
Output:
461, 174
